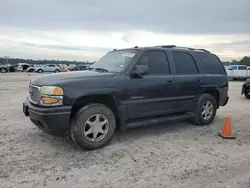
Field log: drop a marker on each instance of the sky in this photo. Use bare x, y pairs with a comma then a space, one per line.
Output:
84, 30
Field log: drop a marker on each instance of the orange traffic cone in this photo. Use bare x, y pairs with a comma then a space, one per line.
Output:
227, 130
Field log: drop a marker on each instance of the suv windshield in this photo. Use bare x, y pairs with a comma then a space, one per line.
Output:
114, 61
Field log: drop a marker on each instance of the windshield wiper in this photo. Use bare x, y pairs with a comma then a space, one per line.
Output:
101, 69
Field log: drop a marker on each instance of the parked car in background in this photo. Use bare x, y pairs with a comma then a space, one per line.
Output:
4, 68
237, 72
32, 68
48, 68
79, 67
22, 66
72, 67
128, 88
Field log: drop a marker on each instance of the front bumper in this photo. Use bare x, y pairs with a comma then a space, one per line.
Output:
52, 120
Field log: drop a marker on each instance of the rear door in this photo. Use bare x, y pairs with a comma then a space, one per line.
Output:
151, 95
242, 71
188, 80
51, 68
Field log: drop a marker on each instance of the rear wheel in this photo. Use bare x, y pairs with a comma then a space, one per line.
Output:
40, 71
93, 126
3, 70
206, 110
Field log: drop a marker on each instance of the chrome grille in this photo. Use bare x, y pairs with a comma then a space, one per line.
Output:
34, 94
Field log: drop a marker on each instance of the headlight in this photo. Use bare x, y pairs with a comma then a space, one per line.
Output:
51, 96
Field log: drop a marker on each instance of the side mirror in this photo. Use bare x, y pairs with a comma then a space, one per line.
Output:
229, 69
140, 70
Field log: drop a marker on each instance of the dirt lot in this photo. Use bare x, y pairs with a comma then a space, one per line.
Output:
170, 155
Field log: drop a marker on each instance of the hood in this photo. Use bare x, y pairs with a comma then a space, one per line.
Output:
54, 78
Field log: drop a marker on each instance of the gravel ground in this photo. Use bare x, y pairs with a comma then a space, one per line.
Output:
171, 155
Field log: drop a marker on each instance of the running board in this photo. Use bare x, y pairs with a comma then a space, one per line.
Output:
158, 120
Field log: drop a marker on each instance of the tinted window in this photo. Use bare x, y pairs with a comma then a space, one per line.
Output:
184, 63
242, 67
156, 61
51, 65
211, 64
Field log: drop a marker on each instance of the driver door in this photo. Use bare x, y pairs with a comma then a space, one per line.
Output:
150, 94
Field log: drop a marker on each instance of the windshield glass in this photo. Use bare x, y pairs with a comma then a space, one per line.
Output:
115, 61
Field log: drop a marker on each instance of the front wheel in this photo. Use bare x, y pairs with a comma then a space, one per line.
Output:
206, 110
3, 70
56, 71
93, 126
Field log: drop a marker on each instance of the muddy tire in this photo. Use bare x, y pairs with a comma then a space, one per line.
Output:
93, 126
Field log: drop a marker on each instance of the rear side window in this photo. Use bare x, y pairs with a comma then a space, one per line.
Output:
184, 63
242, 67
211, 63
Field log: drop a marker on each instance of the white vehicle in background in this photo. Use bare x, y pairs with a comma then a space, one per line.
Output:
22, 66
48, 68
237, 72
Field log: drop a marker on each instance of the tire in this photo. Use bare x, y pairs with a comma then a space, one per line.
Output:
12, 69
205, 99
40, 71
3, 70
56, 71
79, 126
247, 94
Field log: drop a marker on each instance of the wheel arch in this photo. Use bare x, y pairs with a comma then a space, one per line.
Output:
106, 99
215, 93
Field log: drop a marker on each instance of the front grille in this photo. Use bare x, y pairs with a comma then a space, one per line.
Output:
34, 94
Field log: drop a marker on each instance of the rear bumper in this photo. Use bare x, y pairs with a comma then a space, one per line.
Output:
52, 120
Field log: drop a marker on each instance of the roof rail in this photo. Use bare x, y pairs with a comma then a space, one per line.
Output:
173, 46
204, 50
166, 46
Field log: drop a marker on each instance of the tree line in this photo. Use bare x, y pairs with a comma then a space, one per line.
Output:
44, 61
244, 61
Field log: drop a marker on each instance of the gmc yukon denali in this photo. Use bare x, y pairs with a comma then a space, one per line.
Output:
128, 88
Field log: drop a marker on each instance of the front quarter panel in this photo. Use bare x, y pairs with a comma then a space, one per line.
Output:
76, 89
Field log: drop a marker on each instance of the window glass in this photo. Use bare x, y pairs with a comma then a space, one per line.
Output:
211, 63
156, 61
115, 61
242, 67
184, 63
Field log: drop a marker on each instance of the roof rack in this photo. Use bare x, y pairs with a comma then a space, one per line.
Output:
204, 50
166, 46
174, 46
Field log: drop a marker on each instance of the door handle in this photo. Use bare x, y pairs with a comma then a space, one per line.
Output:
198, 81
170, 81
